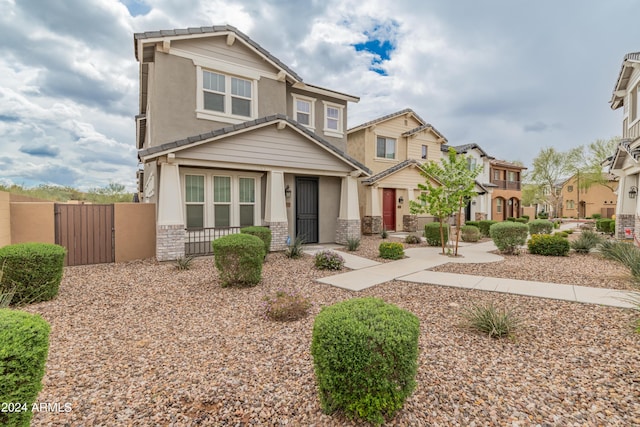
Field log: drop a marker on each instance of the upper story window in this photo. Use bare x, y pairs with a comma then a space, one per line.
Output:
570, 188
385, 148
304, 110
333, 119
496, 175
224, 97
634, 104
471, 163
424, 152
512, 176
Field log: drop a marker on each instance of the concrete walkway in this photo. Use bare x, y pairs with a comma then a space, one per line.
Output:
366, 273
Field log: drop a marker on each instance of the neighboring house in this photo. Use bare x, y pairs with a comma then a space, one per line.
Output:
507, 193
393, 147
229, 136
580, 202
626, 161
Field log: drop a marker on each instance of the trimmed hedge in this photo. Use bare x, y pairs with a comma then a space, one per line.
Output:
603, 225
365, 355
540, 226
522, 220
238, 258
548, 245
33, 270
509, 236
391, 250
432, 233
470, 233
474, 223
24, 344
525, 217
612, 226
264, 233
543, 215
484, 226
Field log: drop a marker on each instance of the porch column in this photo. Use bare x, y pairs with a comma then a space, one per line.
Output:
409, 221
372, 221
349, 219
170, 232
275, 212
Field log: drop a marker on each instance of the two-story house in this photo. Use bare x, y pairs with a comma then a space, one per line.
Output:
507, 193
393, 147
580, 201
229, 136
626, 160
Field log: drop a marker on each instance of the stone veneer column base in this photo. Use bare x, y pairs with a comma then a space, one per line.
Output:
170, 240
347, 228
371, 225
622, 221
409, 223
279, 234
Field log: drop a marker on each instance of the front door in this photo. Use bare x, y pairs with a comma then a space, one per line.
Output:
467, 211
389, 209
307, 209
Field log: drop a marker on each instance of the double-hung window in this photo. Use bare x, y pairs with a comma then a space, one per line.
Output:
222, 201
512, 176
385, 148
240, 97
225, 97
304, 110
247, 200
499, 205
333, 114
571, 204
213, 86
423, 155
194, 198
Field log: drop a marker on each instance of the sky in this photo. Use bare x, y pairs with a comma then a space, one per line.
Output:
512, 76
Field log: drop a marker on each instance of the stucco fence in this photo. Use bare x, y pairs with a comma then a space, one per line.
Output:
24, 219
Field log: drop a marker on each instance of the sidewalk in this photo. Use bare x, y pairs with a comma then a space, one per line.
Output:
366, 273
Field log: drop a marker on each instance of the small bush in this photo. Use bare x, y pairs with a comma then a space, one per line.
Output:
32, 270
540, 226
239, 258
474, 223
412, 239
6, 295
264, 233
596, 216
365, 355
511, 218
625, 253
585, 242
353, 243
183, 262
294, 249
522, 220
525, 217
569, 231
603, 225
485, 225
24, 344
509, 236
612, 227
470, 233
391, 250
432, 233
329, 260
548, 245
561, 234
286, 306
491, 320
543, 215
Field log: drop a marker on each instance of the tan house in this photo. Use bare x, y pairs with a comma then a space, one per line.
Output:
507, 191
626, 160
392, 147
229, 136
581, 202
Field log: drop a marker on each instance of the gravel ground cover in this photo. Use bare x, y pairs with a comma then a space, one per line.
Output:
141, 343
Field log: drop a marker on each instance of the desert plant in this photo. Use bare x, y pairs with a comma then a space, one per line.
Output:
239, 258
33, 270
540, 226
484, 226
509, 236
548, 245
612, 227
365, 355
264, 233
511, 218
183, 262
603, 224
412, 239
625, 253
561, 234
470, 233
525, 217
384, 233
391, 250
328, 260
24, 344
353, 243
286, 306
543, 215
295, 248
493, 321
596, 216
585, 242
432, 233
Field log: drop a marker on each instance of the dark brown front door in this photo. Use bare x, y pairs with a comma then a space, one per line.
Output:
307, 209
389, 209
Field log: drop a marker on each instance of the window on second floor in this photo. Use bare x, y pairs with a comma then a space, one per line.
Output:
634, 104
512, 176
496, 175
224, 97
304, 110
385, 148
570, 188
471, 163
424, 152
571, 204
333, 114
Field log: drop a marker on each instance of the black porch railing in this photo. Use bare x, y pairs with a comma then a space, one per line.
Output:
198, 240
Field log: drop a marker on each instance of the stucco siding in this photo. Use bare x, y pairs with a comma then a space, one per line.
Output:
356, 146
415, 143
271, 97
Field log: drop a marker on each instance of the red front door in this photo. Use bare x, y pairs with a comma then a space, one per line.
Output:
389, 209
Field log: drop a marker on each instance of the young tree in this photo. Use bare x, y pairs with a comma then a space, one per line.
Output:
456, 185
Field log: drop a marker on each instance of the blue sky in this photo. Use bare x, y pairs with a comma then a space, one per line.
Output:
513, 77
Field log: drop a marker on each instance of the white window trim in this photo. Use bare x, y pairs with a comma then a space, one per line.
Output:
636, 108
331, 132
312, 118
387, 159
203, 203
201, 113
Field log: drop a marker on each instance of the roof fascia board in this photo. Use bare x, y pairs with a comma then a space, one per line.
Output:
325, 92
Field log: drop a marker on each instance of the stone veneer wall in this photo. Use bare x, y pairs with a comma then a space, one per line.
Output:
409, 223
279, 234
170, 240
371, 225
347, 228
622, 221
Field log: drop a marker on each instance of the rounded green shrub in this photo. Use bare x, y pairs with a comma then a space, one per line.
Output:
548, 245
365, 355
596, 216
612, 227
391, 250
474, 223
511, 218
329, 260
412, 239
603, 224
32, 270
432, 233
525, 217
540, 226
484, 226
470, 233
522, 220
24, 344
264, 233
509, 236
543, 215
238, 258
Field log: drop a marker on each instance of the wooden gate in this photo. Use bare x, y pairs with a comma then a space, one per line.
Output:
87, 231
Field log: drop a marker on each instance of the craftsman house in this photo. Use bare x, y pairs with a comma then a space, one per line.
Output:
229, 136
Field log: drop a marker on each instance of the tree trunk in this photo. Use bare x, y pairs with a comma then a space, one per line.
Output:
458, 223
442, 242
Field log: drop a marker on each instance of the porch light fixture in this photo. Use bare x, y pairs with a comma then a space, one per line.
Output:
287, 192
401, 200
633, 191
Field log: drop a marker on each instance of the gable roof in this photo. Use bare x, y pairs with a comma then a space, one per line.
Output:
506, 164
427, 126
171, 147
393, 169
406, 111
463, 149
620, 88
622, 151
